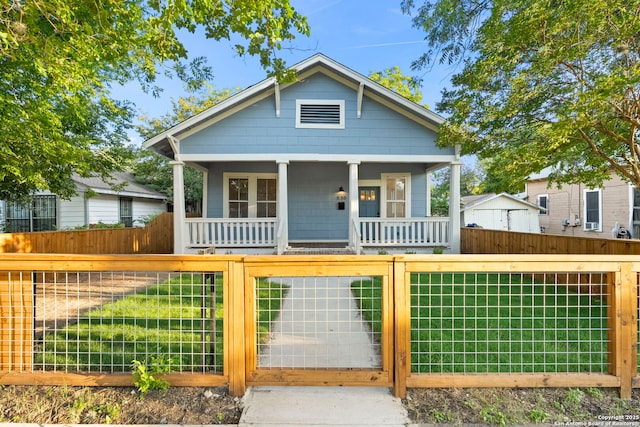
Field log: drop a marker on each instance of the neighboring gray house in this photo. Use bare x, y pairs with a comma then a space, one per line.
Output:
500, 212
95, 202
332, 159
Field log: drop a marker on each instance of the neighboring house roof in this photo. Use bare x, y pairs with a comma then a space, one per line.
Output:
124, 184
162, 143
471, 202
542, 175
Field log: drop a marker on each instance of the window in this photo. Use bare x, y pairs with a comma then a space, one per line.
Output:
126, 211
319, 114
250, 195
40, 215
592, 210
266, 198
635, 220
396, 196
238, 198
543, 202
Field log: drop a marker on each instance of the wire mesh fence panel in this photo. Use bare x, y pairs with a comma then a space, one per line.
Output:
509, 323
319, 322
103, 321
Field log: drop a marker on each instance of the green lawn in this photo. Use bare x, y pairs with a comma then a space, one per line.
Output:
269, 297
497, 323
172, 319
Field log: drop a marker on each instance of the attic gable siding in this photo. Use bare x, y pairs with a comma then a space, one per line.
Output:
256, 129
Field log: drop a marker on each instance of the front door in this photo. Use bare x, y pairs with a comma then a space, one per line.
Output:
369, 202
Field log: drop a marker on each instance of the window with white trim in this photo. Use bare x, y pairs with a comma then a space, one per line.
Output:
543, 202
592, 210
250, 195
397, 195
126, 211
320, 113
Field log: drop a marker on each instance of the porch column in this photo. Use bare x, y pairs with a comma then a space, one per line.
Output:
178, 207
354, 212
428, 195
454, 206
282, 208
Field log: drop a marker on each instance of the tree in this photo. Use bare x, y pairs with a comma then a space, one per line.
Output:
544, 83
59, 58
470, 183
392, 78
496, 179
153, 169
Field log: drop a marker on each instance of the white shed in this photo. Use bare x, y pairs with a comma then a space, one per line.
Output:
500, 212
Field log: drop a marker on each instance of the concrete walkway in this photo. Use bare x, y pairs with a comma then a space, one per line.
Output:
319, 326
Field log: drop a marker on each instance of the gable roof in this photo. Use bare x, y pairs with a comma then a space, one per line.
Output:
471, 202
162, 143
124, 180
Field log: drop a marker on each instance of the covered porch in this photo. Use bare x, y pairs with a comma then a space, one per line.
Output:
365, 206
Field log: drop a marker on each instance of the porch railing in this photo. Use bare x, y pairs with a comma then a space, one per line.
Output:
231, 232
427, 231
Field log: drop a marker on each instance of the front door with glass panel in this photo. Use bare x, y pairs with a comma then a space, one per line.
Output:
369, 202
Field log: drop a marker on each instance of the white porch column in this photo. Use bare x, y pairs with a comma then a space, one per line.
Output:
205, 192
454, 206
428, 195
354, 207
282, 208
178, 207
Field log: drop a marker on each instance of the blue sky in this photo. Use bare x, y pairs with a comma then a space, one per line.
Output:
364, 35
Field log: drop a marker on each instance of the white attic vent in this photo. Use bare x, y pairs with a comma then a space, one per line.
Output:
320, 113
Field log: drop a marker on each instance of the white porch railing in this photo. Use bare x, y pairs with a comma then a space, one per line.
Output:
261, 232
231, 232
427, 231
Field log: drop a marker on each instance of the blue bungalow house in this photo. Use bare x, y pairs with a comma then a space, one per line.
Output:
330, 160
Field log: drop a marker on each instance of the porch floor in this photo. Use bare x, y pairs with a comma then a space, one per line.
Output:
319, 248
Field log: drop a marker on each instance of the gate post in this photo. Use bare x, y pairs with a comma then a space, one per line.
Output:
16, 321
402, 328
623, 326
235, 327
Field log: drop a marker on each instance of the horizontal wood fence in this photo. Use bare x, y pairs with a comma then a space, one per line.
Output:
155, 238
434, 320
485, 241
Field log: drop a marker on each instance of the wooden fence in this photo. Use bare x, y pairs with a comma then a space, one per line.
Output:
155, 238
485, 241
464, 296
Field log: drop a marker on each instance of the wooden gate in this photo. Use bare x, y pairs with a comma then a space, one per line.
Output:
325, 332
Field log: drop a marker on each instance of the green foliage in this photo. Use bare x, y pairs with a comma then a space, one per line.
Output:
493, 416
145, 376
441, 416
111, 413
102, 225
497, 179
60, 58
470, 183
542, 83
153, 169
537, 416
392, 78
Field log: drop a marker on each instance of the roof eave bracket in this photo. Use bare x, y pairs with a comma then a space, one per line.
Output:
360, 96
277, 98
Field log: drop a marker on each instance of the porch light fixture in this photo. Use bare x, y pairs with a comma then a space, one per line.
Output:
341, 196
